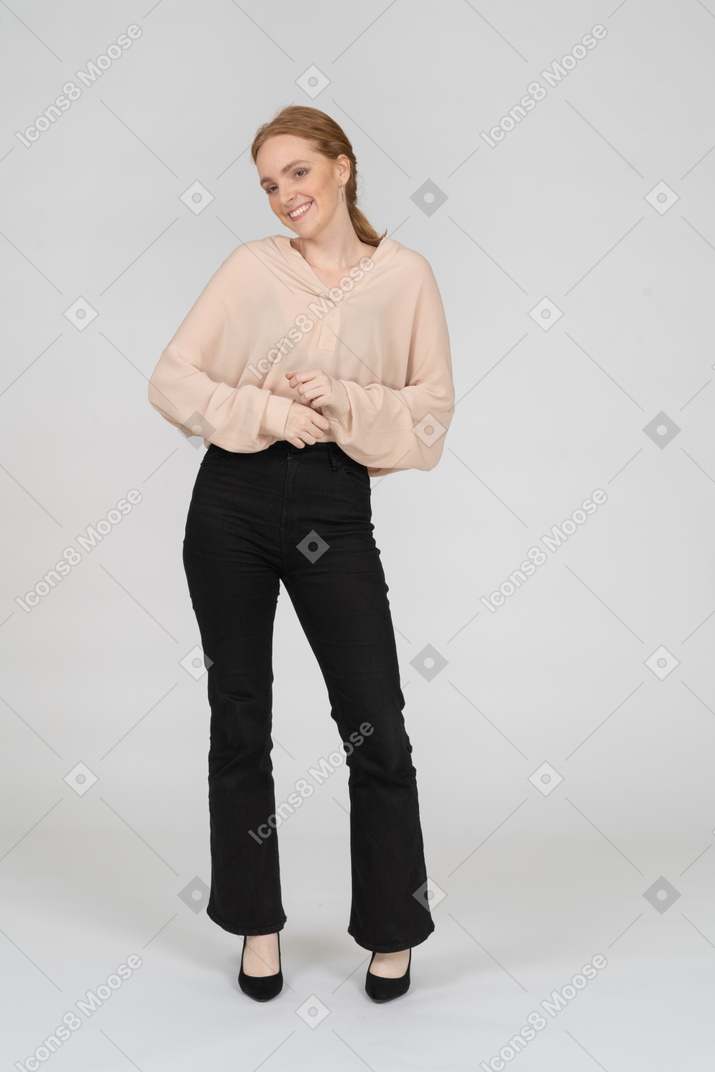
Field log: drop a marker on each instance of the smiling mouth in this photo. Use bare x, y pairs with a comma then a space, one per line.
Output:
300, 211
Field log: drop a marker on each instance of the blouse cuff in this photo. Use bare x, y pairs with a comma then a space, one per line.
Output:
340, 403
275, 416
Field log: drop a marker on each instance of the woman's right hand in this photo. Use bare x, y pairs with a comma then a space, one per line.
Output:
304, 425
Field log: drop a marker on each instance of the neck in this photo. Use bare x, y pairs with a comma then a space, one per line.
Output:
341, 248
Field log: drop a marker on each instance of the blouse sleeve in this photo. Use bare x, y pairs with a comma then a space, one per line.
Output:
244, 418
390, 429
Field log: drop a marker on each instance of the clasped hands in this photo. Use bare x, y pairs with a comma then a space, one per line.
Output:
304, 424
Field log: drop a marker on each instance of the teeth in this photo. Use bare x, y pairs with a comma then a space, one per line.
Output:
301, 210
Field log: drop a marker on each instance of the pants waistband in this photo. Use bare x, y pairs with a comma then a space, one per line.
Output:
283, 447
331, 450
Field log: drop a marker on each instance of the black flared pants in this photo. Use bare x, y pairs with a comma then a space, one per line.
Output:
301, 516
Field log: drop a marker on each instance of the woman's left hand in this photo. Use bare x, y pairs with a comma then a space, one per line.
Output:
313, 385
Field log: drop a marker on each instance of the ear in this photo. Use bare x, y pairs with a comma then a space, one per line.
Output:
344, 168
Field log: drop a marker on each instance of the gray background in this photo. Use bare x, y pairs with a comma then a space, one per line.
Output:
531, 879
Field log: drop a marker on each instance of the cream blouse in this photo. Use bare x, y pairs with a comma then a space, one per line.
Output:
381, 336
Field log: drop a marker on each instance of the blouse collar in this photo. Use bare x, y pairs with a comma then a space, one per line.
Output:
381, 254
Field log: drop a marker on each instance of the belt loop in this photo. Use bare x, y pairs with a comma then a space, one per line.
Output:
333, 452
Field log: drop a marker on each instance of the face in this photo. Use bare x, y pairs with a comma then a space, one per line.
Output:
294, 176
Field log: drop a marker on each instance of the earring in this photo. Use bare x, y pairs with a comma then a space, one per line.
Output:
342, 192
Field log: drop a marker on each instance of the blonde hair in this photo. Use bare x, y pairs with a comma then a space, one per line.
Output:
328, 138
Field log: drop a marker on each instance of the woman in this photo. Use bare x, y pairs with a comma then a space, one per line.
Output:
308, 365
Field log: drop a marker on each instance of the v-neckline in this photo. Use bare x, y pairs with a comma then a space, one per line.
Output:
291, 253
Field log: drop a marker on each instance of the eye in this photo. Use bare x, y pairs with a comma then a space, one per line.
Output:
299, 171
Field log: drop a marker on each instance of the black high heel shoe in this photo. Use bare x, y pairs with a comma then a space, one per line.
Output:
261, 987
380, 988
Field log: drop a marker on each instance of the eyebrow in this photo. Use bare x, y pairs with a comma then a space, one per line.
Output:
285, 169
